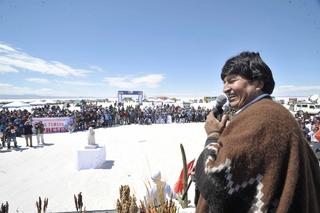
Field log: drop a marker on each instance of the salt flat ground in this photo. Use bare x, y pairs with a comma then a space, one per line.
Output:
132, 153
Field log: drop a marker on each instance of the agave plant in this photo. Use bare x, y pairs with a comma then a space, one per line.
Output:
40, 208
126, 203
78, 203
4, 207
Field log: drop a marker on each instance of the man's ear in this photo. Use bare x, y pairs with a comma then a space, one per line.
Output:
259, 84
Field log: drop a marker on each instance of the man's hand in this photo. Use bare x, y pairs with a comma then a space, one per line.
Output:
212, 124
202, 206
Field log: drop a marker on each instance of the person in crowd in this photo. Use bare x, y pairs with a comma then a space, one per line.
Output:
312, 135
304, 129
27, 131
10, 135
2, 135
39, 127
160, 191
315, 143
259, 161
308, 124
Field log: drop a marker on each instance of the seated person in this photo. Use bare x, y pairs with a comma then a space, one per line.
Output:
160, 191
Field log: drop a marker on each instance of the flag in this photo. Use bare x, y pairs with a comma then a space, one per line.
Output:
178, 187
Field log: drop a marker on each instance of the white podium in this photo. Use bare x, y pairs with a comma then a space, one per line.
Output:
91, 158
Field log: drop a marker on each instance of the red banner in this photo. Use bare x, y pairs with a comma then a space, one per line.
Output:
52, 125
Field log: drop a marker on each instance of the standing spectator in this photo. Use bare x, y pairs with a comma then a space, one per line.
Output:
308, 124
27, 131
39, 132
2, 139
305, 130
315, 143
11, 135
312, 135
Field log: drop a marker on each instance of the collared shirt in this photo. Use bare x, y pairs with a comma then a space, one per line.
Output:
251, 102
210, 140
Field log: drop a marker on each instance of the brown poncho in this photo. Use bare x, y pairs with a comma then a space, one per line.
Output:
261, 163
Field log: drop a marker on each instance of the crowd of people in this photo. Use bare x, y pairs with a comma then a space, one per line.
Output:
117, 114
16, 123
310, 125
19, 122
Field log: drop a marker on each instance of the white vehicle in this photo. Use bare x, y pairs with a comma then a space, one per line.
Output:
310, 108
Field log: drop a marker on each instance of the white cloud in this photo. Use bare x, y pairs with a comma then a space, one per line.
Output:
14, 60
4, 48
96, 68
294, 90
7, 69
150, 81
118, 82
4, 85
38, 80
79, 90
286, 86
80, 83
9, 89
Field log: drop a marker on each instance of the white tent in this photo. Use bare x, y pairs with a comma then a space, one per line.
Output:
314, 98
16, 104
50, 101
168, 101
37, 102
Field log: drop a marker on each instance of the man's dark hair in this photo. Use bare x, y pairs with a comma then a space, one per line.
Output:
250, 66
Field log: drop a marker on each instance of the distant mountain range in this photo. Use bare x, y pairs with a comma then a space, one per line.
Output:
24, 97
40, 97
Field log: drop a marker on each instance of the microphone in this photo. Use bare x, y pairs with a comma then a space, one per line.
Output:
218, 107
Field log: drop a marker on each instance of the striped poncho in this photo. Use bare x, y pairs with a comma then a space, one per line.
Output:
261, 163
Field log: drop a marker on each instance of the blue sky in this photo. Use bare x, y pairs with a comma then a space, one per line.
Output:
162, 47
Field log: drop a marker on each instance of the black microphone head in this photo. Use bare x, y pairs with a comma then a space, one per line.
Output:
217, 108
220, 101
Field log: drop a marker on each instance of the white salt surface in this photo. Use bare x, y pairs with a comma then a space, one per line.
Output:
132, 153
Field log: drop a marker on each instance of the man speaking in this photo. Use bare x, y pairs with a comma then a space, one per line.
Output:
260, 161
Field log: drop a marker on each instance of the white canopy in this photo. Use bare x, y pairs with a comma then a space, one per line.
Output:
50, 101
37, 102
168, 101
314, 98
16, 104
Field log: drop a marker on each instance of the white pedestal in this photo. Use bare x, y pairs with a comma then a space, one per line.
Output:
91, 158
